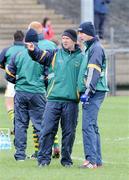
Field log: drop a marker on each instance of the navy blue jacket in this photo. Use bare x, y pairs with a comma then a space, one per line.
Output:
93, 72
100, 6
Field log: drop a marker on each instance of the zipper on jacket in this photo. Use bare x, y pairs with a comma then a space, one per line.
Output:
51, 88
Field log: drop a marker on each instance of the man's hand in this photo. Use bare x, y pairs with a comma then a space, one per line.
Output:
30, 46
84, 98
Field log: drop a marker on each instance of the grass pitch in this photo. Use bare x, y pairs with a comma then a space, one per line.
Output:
114, 129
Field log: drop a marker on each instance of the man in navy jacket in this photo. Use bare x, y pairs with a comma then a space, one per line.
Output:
100, 13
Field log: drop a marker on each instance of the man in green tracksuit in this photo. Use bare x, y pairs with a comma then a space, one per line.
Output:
30, 97
62, 96
5, 57
43, 44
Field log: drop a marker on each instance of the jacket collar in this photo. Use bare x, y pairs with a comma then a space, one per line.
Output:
90, 42
40, 36
20, 43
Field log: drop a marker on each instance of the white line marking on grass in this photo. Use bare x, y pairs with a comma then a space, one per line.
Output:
105, 162
117, 139
109, 140
77, 158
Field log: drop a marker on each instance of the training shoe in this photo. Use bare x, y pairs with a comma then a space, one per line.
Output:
43, 165
88, 164
99, 165
20, 160
12, 132
56, 153
33, 156
67, 165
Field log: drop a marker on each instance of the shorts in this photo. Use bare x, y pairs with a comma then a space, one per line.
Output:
10, 91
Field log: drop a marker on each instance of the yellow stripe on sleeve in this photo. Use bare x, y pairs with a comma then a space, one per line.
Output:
9, 73
43, 54
94, 66
53, 61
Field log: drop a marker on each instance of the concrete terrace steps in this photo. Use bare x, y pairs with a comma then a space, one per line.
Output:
24, 17
17, 14
20, 20
18, 2
25, 11
19, 6
7, 30
56, 28
8, 6
8, 27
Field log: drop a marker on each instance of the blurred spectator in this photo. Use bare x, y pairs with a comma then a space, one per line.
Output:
100, 13
47, 29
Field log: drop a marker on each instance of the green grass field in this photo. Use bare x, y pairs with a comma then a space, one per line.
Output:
114, 128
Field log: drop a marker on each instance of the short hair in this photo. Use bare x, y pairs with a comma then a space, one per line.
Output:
18, 35
37, 26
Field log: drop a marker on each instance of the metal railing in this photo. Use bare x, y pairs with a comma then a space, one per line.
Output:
118, 65
118, 68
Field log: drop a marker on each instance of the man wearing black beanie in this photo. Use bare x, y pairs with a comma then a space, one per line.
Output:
62, 96
30, 97
92, 84
87, 28
31, 36
71, 34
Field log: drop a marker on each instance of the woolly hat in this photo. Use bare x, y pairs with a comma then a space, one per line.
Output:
87, 28
31, 36
71, 34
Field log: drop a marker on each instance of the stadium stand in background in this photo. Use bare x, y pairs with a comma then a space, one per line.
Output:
65, 14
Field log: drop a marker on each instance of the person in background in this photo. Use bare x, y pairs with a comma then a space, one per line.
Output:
100, 14
62, 96
30, 94
48, 31
92, 85
5, 57
44, 44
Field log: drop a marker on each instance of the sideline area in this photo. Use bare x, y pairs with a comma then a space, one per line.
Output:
114, 126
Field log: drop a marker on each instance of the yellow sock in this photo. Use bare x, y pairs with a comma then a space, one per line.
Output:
11, 115
36, 141
56, 142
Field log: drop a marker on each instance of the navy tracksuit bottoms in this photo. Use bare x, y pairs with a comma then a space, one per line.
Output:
66, 113
90, 130
27, 106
